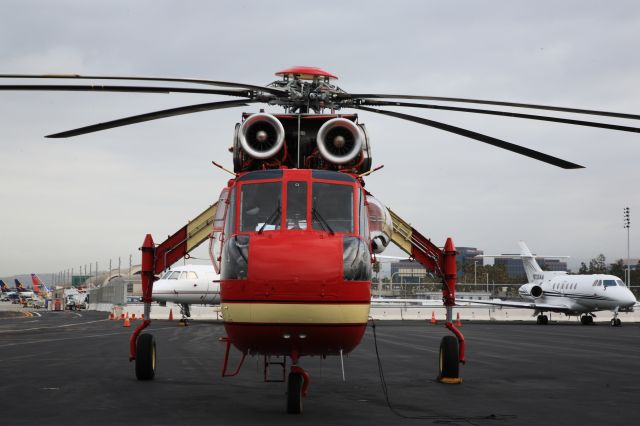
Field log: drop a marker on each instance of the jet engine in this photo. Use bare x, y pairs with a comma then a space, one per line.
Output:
339, 140
261, 135
380, 225
531, 290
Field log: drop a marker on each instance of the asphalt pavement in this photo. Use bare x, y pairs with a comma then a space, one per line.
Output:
72, 368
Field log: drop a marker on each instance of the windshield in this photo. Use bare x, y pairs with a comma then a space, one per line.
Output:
332, 207
297, 205
609, 283
260, 206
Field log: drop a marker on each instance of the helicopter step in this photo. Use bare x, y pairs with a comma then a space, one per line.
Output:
280, 361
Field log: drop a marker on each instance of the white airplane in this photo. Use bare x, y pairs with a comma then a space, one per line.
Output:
187, 285
556, 291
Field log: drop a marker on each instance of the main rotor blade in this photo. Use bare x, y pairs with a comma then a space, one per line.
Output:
505, 114
480, 101
127, 89
152, 116
179, 80
480, 137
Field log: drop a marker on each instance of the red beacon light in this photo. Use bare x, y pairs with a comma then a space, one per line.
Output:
306, 73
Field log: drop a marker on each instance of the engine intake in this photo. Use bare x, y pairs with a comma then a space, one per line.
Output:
261, 135
339, 140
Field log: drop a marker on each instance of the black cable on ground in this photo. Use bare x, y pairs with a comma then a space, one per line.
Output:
450, 420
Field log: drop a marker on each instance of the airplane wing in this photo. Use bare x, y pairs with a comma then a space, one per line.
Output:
516, 304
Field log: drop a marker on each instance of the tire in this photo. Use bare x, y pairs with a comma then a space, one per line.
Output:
545, 320
294, 393
590, 320
584, 320
449, 365
618, 322
145, 357
539, 319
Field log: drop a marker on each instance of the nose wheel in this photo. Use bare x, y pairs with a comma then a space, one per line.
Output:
294, 393
616, 322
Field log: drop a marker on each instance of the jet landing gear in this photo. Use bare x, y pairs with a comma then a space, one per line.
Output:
587, 320
185, 312
297, 384
542, 320
615, 321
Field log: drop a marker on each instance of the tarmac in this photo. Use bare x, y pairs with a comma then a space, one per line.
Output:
72, 368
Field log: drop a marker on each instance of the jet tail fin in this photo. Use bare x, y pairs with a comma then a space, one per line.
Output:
37, 283
19, 285
3, 286
531, 267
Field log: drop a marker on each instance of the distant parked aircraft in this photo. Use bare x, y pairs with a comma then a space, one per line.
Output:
188, 285
556, 291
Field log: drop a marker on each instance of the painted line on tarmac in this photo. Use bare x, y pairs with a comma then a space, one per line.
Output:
78, 337
53, 326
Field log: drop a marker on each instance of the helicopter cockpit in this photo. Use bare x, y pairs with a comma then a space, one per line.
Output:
276, 203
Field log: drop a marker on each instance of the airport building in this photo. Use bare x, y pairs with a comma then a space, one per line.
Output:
466, 256
515, 268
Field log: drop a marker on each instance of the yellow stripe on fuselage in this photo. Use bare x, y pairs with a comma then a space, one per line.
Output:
295, 313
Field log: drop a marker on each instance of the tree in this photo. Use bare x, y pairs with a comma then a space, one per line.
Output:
618, 269
598, 265
583, 269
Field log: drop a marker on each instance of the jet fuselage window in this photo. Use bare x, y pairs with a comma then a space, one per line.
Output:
332, 206
260, 206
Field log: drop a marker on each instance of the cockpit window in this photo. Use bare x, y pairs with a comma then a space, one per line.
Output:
332, 207
296, 205
260, 206
173, 275
192, 275
620, 283
609, 283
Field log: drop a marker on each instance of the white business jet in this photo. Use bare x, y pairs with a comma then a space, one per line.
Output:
556, 291
188, 285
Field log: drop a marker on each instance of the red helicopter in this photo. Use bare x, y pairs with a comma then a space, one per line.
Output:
294, 233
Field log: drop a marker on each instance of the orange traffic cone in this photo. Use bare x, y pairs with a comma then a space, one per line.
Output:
126, 323
111, 316
127, 315
170, 314
433, 318
122, 316
458, 323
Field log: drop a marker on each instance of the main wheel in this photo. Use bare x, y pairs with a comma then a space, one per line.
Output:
145, 357
449, 366
618, 322
584, 320
545, 319
294, 393
539, 320
589, 319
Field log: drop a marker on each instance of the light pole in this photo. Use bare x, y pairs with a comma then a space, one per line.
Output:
627, 224
475, 279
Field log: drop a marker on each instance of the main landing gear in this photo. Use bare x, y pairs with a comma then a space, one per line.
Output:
542, 320
449, 365
586, 320
145, 357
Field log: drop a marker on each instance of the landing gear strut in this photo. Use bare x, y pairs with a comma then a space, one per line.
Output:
542, 320
185, 312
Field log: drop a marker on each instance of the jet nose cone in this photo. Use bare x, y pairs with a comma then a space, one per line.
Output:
630, 298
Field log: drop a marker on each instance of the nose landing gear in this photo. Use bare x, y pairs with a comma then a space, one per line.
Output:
297, 384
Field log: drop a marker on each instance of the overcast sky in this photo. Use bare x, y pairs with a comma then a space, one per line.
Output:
71, 202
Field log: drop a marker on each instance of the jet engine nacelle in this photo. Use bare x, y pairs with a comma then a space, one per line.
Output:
340, 140
530, 290
380, 225
261, 135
